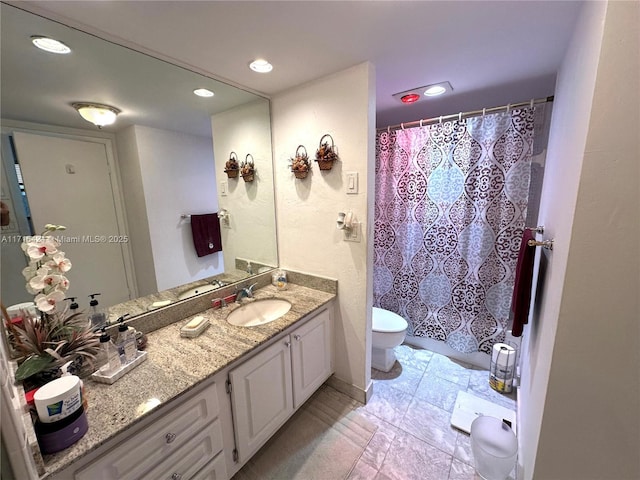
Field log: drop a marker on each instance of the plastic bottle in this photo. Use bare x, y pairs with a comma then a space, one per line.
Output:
281, 280
97, 316
126, 341
108, 358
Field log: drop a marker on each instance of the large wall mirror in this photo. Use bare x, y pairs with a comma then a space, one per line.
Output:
126, 191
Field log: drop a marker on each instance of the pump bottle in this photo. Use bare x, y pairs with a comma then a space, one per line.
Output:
108, 358
97, 316
126, 341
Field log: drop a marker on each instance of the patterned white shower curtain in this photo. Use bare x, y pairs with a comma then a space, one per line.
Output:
450, 207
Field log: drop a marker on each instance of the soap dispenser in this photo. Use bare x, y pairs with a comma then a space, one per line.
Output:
108, 357
73, 306
126, 341
97, 316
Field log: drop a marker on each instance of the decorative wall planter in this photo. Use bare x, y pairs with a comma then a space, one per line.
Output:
247, 169
231, 167
326, 153
300, 164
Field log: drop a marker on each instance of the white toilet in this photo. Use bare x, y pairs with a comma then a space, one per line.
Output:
389, 330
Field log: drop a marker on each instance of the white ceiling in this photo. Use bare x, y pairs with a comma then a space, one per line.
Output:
492, 52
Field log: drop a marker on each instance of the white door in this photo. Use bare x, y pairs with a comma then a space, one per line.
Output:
261, 397
68, 183
311, 357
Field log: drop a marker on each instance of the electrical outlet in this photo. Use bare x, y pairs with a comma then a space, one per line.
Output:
353, 234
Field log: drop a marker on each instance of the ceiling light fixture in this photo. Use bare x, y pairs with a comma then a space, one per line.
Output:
96, 113
50, 45
261, 66
435, 90
203, 92
420, 93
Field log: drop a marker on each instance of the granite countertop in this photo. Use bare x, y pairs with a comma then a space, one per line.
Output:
175, 365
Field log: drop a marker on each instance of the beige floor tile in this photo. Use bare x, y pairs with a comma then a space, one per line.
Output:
388, 403
410, 458
451, 370
362, 471
400, 377
439, 392
431, 424
413, 357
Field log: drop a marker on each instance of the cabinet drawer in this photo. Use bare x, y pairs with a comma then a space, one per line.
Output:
185, 463
216, 469
151, 446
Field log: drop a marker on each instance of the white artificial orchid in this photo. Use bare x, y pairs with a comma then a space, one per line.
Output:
60, 262
44, 245
47, 303
47, 264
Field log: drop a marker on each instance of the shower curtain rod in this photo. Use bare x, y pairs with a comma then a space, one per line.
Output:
461, 115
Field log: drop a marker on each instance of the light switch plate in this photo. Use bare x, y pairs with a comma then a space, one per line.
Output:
223, 188
353, 234
352, 183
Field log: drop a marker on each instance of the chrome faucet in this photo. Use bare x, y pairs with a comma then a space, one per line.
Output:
245, 292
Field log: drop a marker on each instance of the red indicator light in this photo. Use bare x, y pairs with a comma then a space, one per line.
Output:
410, 98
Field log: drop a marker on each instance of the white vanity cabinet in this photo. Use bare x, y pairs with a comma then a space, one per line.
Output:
176, 446
270, 386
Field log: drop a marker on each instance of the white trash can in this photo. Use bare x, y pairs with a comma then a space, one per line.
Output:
494, 446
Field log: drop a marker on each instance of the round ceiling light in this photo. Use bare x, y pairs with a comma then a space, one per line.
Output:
260, 66
434, 91
96, 113
410, 98
203, 92
50, 45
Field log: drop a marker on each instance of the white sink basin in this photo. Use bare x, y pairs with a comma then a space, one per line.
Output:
196, 291
259, 312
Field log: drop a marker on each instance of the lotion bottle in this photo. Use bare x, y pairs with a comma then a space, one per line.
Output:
108, 358
126, 341
97, 316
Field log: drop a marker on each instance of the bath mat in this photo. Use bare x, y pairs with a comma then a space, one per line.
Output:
321, 441
468, 407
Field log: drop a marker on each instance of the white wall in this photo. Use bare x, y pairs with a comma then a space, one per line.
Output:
178, 176
308, 241
580, 394
246, 130
136, 207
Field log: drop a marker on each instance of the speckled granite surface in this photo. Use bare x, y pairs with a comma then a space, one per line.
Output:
175, 365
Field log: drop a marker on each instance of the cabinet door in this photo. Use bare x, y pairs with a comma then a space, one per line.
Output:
311, 353
261, 397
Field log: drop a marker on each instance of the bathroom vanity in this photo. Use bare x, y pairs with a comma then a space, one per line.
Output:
201, 407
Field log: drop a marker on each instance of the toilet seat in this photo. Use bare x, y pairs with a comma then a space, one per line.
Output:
387, 322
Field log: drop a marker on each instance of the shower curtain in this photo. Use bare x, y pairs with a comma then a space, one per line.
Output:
450, 206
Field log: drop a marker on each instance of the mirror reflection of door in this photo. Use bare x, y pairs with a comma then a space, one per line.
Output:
68, 182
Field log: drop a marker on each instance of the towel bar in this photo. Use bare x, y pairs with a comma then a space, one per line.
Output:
538, 229
548, 244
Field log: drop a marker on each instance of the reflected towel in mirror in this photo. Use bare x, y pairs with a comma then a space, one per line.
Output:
206, 233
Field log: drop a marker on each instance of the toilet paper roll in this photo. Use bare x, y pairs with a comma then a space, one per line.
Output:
503, 355
58, 399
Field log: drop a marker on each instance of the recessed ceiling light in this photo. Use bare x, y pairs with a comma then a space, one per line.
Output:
260, 66
50, 45
410, 98
435, 90
203, 92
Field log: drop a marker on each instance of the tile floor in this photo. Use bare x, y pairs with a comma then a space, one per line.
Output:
412, 405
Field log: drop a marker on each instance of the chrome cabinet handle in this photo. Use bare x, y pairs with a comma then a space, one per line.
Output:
297, 337
287, 344
176, 476
170, 437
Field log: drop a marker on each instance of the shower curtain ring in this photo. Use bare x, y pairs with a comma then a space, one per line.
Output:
460, 117
440, 118
388, 128
508, 107
484, 111
421, 122
531, 103
402, 126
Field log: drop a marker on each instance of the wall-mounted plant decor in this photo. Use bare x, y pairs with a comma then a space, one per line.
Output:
326, 153
231, 168
300, 164
247, 168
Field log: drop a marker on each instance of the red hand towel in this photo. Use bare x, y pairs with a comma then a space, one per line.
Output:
206, 233
523, 284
